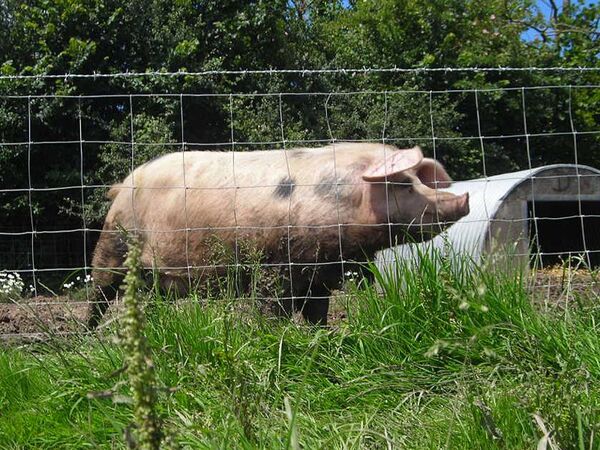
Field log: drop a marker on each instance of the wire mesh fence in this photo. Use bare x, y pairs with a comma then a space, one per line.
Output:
204, 173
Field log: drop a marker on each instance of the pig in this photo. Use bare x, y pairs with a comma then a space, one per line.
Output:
310, 212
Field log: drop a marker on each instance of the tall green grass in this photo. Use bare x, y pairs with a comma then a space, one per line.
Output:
438, 354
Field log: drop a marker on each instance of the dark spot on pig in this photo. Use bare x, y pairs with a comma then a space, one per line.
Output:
331, 189
285, 188
359, 166
298, 154
326, 187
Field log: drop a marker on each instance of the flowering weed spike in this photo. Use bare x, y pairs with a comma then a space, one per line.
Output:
138, 359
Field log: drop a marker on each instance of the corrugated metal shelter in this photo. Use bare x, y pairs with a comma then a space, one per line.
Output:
552, 211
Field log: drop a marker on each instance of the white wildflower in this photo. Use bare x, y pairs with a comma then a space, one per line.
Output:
11, 285
351, 274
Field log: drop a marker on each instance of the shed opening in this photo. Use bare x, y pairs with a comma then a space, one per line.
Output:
560, 233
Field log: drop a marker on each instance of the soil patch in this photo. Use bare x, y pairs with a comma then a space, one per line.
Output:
557, 287
42, 315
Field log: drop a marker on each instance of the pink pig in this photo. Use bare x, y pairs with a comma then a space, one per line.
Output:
310, 211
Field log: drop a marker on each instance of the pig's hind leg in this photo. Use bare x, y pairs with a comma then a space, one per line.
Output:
108, 273
316, 306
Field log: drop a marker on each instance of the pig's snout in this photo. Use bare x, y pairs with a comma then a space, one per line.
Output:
454, 208
442, 210
446, 207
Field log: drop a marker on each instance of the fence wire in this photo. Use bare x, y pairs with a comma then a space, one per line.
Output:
21, 245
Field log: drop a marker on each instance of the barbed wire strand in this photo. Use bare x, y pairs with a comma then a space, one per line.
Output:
302, 72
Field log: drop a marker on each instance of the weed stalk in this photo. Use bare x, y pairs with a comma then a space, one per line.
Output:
140, 368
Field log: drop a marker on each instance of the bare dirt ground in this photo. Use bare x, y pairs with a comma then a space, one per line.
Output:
41, 314
38, 317
557, 287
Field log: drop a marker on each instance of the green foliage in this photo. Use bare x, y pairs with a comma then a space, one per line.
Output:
115, 36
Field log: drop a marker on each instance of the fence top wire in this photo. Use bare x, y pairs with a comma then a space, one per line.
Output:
302, 72
387, 92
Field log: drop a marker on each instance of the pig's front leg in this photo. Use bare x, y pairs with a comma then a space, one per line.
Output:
316, 306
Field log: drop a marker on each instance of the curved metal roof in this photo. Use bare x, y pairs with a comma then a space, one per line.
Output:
486, 195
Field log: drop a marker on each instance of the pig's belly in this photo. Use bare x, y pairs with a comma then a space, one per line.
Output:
279, 245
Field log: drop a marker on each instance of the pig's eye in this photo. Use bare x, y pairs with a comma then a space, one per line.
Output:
405, 184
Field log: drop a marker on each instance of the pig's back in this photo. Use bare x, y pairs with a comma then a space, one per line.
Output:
228, 189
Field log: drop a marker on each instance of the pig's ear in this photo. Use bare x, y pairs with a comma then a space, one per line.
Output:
396, 161
433, 174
